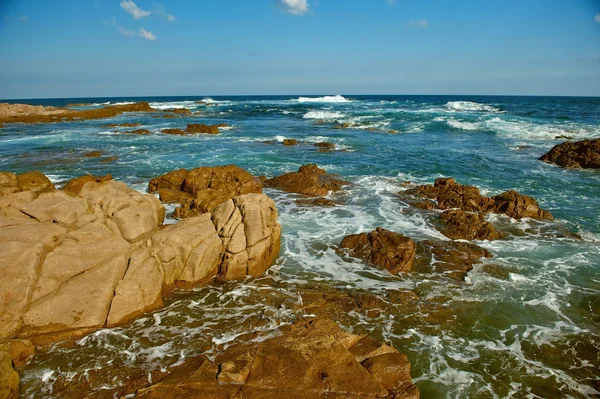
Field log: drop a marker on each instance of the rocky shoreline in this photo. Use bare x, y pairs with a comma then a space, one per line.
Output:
97, 239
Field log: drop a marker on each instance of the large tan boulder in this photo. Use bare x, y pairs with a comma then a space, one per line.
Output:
382, 248
74, 186
308, 180
248, 228
8, 183
72, 264
20, 351
9, 378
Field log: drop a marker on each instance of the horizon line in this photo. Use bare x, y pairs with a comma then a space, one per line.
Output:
311, 95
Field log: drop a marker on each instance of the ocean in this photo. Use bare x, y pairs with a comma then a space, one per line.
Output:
532, 330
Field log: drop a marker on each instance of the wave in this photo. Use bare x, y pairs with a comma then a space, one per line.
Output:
323, 115
470, 106
324, 99
174, 104
470, 126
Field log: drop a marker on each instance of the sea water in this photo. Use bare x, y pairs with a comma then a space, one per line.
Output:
532, 332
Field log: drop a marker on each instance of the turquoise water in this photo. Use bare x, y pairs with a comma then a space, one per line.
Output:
534, 333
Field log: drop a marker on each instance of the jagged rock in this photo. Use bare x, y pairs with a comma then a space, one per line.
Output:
203, 188
308, 180
461, 225
311, 359
74, 186
9, 378
580, 154
448, 194
383, 248
72, 264
290, 142
518, 206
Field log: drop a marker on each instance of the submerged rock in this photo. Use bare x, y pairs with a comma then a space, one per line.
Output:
202, 189
455, 258
382, 248
72, 264
123, 124
310, 359
141, 132
580, 154
93, 154
202, 128
308, 180
290, 142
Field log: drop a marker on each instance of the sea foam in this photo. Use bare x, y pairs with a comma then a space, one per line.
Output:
324, 99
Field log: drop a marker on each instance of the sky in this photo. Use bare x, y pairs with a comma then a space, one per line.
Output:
75, 48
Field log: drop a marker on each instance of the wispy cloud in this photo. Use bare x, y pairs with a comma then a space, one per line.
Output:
294, 7
160, 10
131, 8
421, 23
144, 34
597, 19
16, 19
390, 2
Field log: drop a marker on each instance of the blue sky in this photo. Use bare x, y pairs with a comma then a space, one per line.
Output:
74, 48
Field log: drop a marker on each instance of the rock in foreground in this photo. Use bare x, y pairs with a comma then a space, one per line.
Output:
311, 359
383, 248
308, 180
580, 154
74, 264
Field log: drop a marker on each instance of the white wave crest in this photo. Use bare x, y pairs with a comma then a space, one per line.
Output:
463, 125
323, 115
470, 106
325, 99
174, 104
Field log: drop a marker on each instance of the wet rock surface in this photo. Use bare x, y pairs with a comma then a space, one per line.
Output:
308, 180
382, 248
311, 359
454, 258
9, 378
579, 154
461, 225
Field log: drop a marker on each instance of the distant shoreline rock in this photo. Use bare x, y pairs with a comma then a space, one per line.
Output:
25, 113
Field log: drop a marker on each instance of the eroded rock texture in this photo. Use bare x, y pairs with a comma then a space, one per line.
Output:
71, 264
579, 154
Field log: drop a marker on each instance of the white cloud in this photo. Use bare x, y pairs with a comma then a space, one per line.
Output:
171, 18
294, 7
146, 35
597, 19
131, 8
126, 32
390, 2
421, 23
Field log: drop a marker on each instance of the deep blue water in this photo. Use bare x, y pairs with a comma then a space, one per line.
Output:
501, 346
